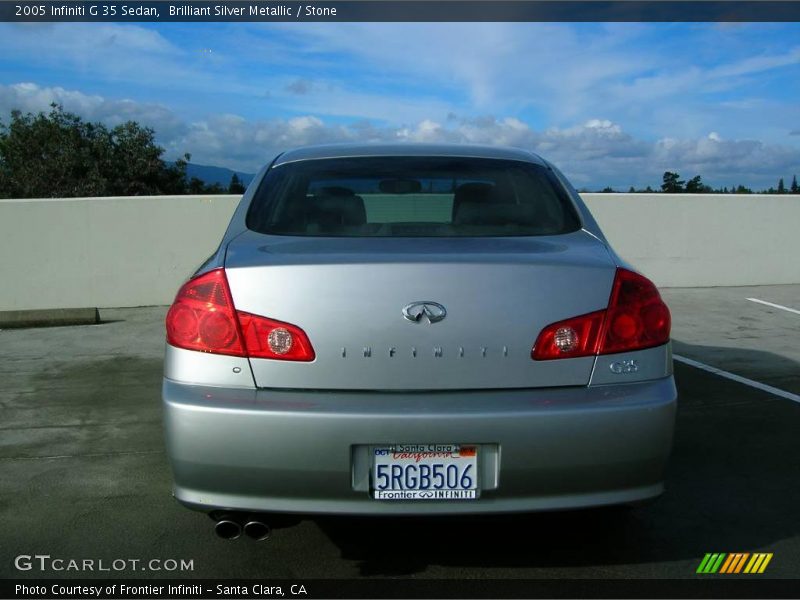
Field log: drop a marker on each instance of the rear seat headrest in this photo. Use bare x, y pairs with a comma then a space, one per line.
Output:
336, 206
471, 192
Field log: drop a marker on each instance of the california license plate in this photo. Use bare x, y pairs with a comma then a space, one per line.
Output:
425, 472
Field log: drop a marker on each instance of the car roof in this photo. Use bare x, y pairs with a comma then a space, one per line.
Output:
406, 149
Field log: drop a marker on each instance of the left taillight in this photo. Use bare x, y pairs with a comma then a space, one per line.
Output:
203, 318
266, 338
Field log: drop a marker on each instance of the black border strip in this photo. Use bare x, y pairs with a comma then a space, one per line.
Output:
710, 586
412, 11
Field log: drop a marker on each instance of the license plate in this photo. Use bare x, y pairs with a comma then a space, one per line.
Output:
425, 472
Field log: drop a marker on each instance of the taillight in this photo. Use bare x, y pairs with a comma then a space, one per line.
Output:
266, 338
203, 318
636, 318
571, 338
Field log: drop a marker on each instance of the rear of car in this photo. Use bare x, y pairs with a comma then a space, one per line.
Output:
416, 330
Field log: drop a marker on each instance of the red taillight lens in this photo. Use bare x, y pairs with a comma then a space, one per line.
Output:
571, 338
266, 338
203, 318
636, 318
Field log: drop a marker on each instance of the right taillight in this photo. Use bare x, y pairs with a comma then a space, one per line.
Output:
636, 318
203, 318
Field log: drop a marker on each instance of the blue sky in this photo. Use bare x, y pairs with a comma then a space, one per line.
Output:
612, 104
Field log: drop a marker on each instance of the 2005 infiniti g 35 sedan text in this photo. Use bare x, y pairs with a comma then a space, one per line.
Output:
415, 329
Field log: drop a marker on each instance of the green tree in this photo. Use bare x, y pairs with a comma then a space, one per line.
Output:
781, 186
135, 165
235, 186
60, 155
196, 186
696, 186
794, 189
199, 187
672, 183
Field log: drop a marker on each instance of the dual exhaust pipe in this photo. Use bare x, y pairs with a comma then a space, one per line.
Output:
230, 528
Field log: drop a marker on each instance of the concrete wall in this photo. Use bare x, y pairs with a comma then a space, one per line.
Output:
105, 252
686, 240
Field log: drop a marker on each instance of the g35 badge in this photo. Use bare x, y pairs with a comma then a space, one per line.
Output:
624, 366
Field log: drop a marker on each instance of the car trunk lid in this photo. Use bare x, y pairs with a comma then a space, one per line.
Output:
348, 295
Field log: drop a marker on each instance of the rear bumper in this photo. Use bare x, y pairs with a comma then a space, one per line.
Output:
307, 452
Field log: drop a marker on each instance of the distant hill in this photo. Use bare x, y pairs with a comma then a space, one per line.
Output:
211, 175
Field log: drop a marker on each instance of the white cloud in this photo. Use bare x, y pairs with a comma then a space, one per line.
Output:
29, 97
657, 79
757, 64
727, 158
114, 53
489, 66
596, 153
88, 45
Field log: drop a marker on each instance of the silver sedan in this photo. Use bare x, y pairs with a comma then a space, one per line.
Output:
414, 329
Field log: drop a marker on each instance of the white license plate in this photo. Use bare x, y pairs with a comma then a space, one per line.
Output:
425, 472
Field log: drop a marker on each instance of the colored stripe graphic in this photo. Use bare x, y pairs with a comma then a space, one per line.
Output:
758, 563
727, 564
741, 562
703, 564
734, 563
711, 563
765, 563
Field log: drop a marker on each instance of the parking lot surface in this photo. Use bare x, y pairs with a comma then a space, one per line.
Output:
83, 473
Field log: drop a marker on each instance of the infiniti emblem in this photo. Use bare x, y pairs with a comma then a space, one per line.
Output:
434, 311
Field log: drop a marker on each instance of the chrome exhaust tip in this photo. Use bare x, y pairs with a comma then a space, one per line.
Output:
227, 529
256, 530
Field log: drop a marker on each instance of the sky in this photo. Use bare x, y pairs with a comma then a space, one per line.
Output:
610, 104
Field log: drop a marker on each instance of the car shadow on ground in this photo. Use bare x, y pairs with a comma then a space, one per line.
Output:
731, 486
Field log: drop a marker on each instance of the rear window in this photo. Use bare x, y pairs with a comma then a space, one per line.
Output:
411, 197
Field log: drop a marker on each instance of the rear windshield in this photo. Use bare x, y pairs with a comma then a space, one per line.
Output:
411, 197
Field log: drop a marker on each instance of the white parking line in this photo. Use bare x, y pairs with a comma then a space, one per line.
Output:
792, 310
738, 378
